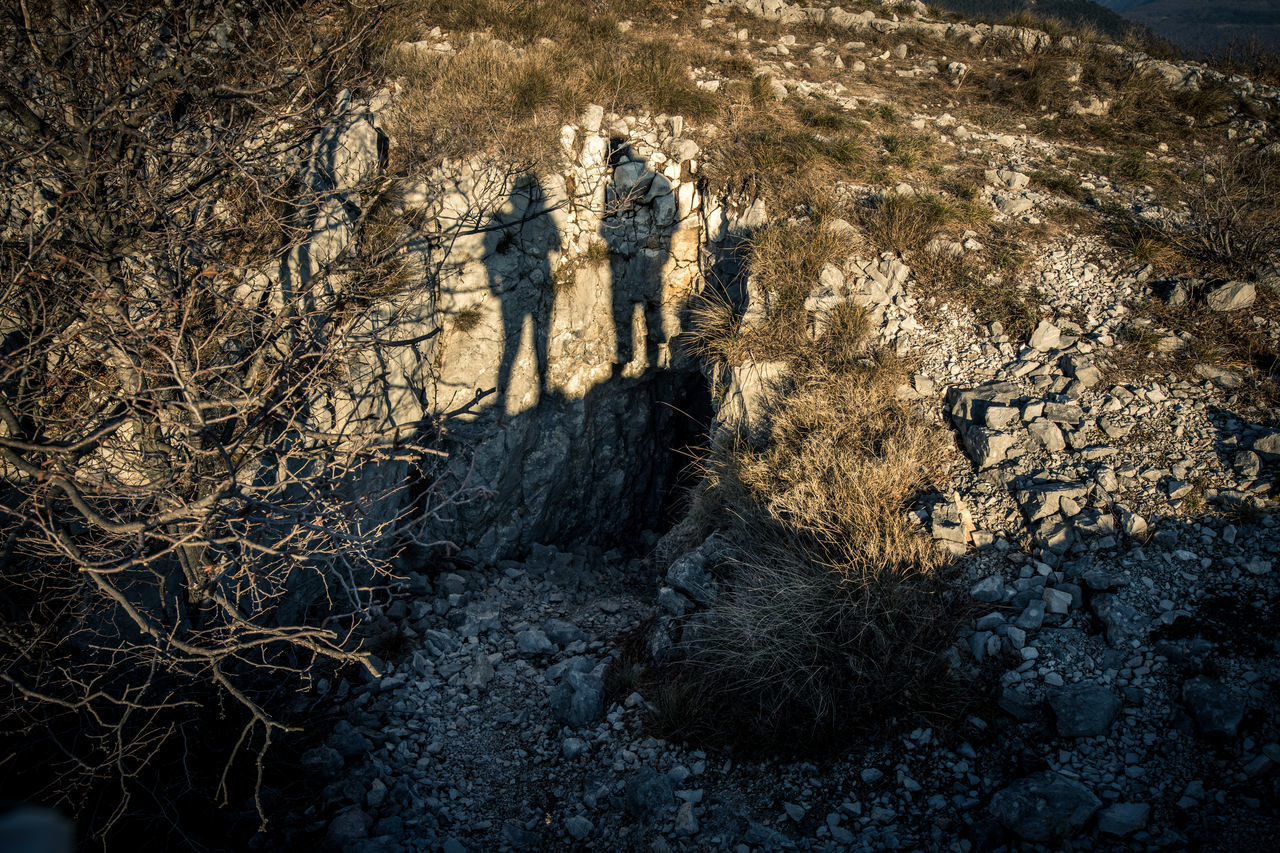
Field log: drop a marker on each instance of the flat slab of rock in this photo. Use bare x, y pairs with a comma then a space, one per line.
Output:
579, 699
1044, 807
1268, 445
1231, 296
989, 589
1014, 205
1045, 337
649, 794
975, 410
1045, 499
1084, 710
1218, 376
1123, 819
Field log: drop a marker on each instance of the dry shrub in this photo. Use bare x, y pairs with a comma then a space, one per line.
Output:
835, 613
1235, 212
1232, 226
1251, 56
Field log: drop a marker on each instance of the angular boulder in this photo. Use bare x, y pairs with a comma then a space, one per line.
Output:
1217, 710
1231, 296
1045, 807
578, 700
1084, 710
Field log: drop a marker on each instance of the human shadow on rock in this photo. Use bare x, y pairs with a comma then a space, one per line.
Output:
519, 240
640, 216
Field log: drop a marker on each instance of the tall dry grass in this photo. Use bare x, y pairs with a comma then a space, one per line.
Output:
836, 608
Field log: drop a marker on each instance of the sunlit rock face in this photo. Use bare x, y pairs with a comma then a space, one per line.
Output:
563, 296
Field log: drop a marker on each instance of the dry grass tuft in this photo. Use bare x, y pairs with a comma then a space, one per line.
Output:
903, 223
716, 334
836, 612
989, 284
788, 154
467, 319
788, 258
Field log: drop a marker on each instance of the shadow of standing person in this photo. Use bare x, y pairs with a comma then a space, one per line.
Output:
519, 241
639, 217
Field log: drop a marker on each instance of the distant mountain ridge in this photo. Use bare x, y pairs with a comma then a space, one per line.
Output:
1077, 13
1196, 24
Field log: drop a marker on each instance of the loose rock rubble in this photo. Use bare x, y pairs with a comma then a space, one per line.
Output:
1128, 628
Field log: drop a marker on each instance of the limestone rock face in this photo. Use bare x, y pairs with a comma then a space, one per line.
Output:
556, 302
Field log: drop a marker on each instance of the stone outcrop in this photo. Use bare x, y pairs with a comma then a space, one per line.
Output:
563, 295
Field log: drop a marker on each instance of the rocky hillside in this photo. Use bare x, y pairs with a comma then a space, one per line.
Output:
1060, 257
857, 428
1105, 17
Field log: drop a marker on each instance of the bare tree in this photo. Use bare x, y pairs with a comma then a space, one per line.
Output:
205, 444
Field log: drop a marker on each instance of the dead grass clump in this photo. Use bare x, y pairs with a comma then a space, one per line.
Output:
768, 152
787, 258
524, 21
1227, 340
1143, 109
906, 151
638, 75
989, 284
452, 105
716, 334
823, 115
1041, 80
836, 614
1062, 183
1146, 241
467, 319
513, 91
902, 223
